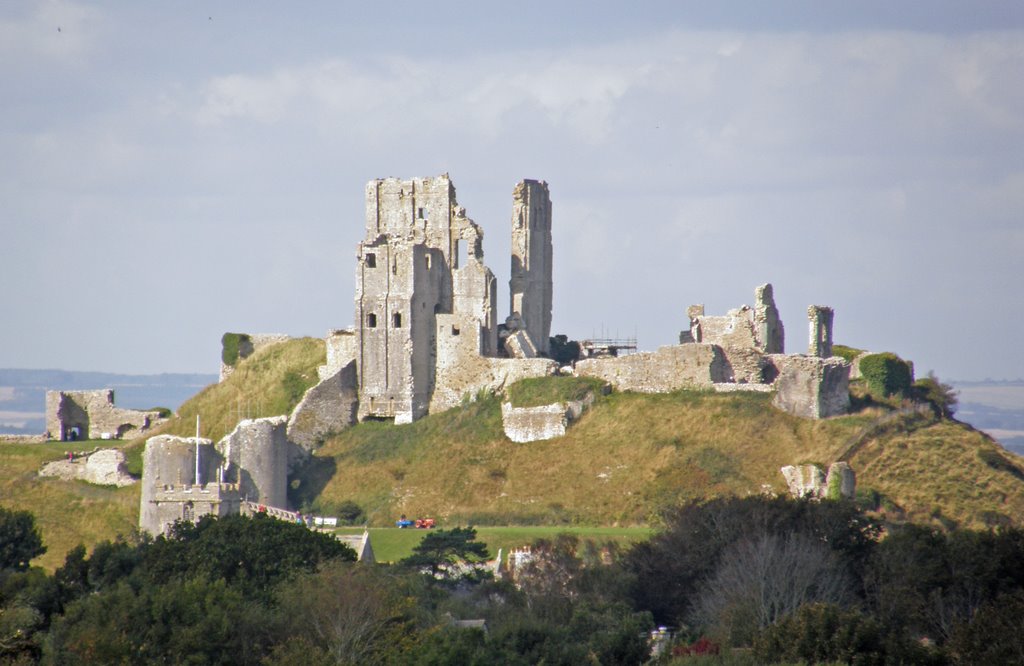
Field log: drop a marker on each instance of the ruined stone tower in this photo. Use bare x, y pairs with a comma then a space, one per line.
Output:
530, 286
820, 320
421, 257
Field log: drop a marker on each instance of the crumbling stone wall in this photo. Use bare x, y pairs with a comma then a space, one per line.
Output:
92, 415
534, 424
809, 481
327, 408
812, 387
530, 286
744, 327
342, 347
668, 369
255, 456
462, 371
249, 345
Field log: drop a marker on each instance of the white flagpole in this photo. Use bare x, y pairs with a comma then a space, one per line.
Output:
198, 481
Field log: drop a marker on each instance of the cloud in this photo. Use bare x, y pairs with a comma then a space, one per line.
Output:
687, 166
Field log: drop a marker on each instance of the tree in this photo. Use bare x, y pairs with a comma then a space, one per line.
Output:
442, 551
820, 633
942, 397
348, 614
563, 350
255, 552
671, 567
760, 580
20, 540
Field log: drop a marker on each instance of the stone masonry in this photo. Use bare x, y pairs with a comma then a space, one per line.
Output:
530, 286
820, 319
420, 270
77, 415
740, 351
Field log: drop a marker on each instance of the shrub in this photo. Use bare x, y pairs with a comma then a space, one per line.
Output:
563, 350
942, 397
886, 374
231, 345
820, 633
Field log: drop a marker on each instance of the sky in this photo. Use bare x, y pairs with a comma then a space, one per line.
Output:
172, 171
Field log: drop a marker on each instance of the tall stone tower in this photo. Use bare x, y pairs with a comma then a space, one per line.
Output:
408, 272
530, 286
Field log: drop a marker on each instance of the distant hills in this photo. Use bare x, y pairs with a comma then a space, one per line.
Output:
23, 392
995, 407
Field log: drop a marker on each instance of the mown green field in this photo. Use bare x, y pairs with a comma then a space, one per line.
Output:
391, 544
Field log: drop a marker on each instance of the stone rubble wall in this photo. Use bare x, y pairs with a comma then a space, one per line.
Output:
673, 367
463, 372
94, 413
342, 346
105, 467
534, 424
747, 366
325, 409
812, 387
809, 481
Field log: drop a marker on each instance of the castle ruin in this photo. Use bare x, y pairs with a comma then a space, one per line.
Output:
78, 415
426, 336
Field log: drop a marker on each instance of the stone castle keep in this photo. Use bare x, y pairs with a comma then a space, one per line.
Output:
427, 335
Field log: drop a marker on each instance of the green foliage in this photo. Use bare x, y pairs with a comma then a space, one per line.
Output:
440, 550
886, 374
671, 569
928, 582
819, 633
942, 397
537, 391
20, 540
349, 513
295, 385
563, 350
846, 353
255, 552
995, 635
231, 346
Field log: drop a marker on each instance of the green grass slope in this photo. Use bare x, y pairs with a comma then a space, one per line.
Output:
67, 512
268, 383
632, 455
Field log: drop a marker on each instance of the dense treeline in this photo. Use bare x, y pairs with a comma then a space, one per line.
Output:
789, 581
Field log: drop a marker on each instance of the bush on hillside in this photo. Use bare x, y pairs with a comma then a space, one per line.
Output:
231, 345
942, 397
563, 350
887, 374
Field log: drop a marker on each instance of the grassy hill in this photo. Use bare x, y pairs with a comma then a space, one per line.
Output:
626, 459
633, 454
